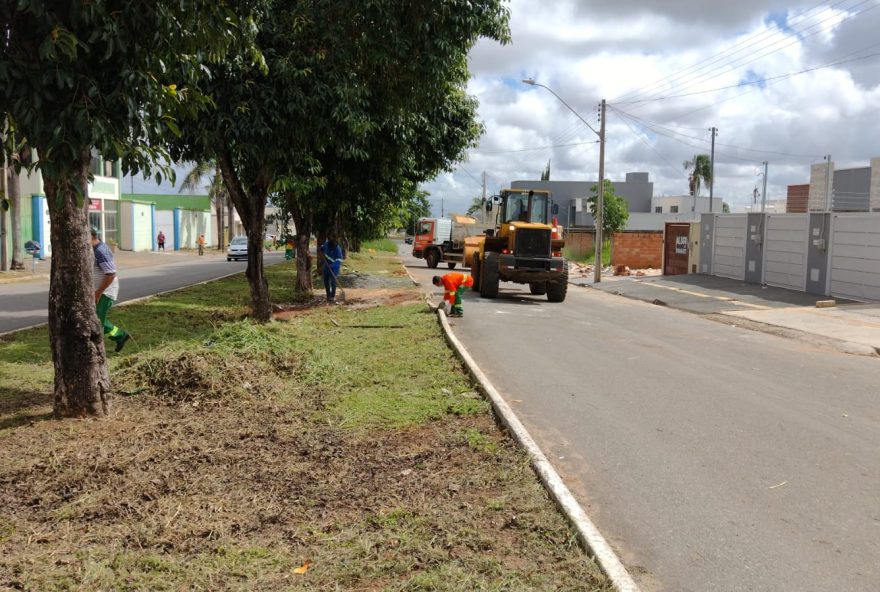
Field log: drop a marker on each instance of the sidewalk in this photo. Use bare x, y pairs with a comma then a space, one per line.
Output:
124, 260
849, 327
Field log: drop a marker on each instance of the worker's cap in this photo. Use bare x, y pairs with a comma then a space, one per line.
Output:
437, 280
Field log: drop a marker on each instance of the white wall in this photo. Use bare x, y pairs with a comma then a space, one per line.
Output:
192, 224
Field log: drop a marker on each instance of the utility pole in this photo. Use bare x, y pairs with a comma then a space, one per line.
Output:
828, 203
764, 191
714, 132
600, 197
485, 181
442, 208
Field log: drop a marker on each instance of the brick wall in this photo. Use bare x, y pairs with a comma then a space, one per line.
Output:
797, 198
638, 250
579, 242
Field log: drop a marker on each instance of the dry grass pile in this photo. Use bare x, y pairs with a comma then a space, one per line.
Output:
237, 496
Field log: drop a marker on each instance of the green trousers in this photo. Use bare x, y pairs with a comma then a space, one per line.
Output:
111, 330
456, 308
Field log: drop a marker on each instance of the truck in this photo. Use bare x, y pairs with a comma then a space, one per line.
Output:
452, 240
525, 246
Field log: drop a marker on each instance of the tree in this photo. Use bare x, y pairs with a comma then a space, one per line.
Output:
105, 77
545, 176
216, 192
725, 207
615, 209
20, 152
699, 172
341, 122
477, 205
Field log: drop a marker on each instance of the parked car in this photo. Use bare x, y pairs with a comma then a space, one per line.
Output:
238, 248
408, 239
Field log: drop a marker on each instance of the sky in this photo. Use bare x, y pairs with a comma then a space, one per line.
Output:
642, 56
734, 62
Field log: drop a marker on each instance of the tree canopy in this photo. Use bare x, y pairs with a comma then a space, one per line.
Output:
354, 107
108, 77
615, 209
699, 172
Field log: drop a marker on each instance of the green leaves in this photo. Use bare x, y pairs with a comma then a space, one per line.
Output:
615, 209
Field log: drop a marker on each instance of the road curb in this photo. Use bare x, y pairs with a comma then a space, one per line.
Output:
587, 532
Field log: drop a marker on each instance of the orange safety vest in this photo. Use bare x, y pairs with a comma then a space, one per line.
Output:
451, 283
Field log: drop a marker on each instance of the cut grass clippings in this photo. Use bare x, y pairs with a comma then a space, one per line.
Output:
341, 449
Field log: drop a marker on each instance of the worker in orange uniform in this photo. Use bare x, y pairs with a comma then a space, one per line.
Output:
454, 285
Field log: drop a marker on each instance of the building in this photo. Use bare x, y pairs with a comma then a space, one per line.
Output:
841, 190
181, 217
685, 204
572, 196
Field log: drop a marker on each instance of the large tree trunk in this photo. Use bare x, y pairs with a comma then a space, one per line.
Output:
14, 187
302, 289
251, 206
82, 383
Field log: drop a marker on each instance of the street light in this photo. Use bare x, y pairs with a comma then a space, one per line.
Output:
600, 198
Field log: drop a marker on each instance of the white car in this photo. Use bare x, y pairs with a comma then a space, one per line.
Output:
238, 248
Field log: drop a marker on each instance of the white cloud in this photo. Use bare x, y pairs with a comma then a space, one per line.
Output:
586, 50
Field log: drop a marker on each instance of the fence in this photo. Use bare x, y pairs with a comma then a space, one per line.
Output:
836, 254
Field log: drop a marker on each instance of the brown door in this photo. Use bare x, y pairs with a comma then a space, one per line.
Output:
675, 260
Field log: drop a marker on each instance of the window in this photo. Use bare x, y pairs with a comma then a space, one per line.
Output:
658, 209
673, 209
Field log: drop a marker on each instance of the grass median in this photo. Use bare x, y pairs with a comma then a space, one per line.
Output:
339, 448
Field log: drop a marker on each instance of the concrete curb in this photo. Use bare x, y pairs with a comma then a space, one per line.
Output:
590, 537
588, 534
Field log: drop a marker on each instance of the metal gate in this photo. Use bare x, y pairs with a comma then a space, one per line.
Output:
785, 250
855, 256
675, 249
729, 252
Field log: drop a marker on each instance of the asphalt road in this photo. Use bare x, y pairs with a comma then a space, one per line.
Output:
711, 457
26, 304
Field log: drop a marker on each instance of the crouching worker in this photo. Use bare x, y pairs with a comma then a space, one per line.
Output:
106, 289
454, 285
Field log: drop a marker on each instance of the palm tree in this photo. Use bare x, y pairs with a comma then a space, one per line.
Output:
699, 172
216, 191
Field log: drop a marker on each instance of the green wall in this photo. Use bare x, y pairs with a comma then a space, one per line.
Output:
169, 202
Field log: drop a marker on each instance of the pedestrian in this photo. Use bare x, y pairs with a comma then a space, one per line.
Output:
106, 286
289, 249
160, 240
201, 243
454, 285
332, 256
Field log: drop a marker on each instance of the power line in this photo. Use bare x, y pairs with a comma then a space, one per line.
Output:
531, 149
711, 59
763, 80
653, 125
733, 66
698, 147
645, 142
688, 79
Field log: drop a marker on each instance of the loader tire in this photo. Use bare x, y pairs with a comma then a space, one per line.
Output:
538, 288
475, 274
451, 265
557, 289
489, 280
